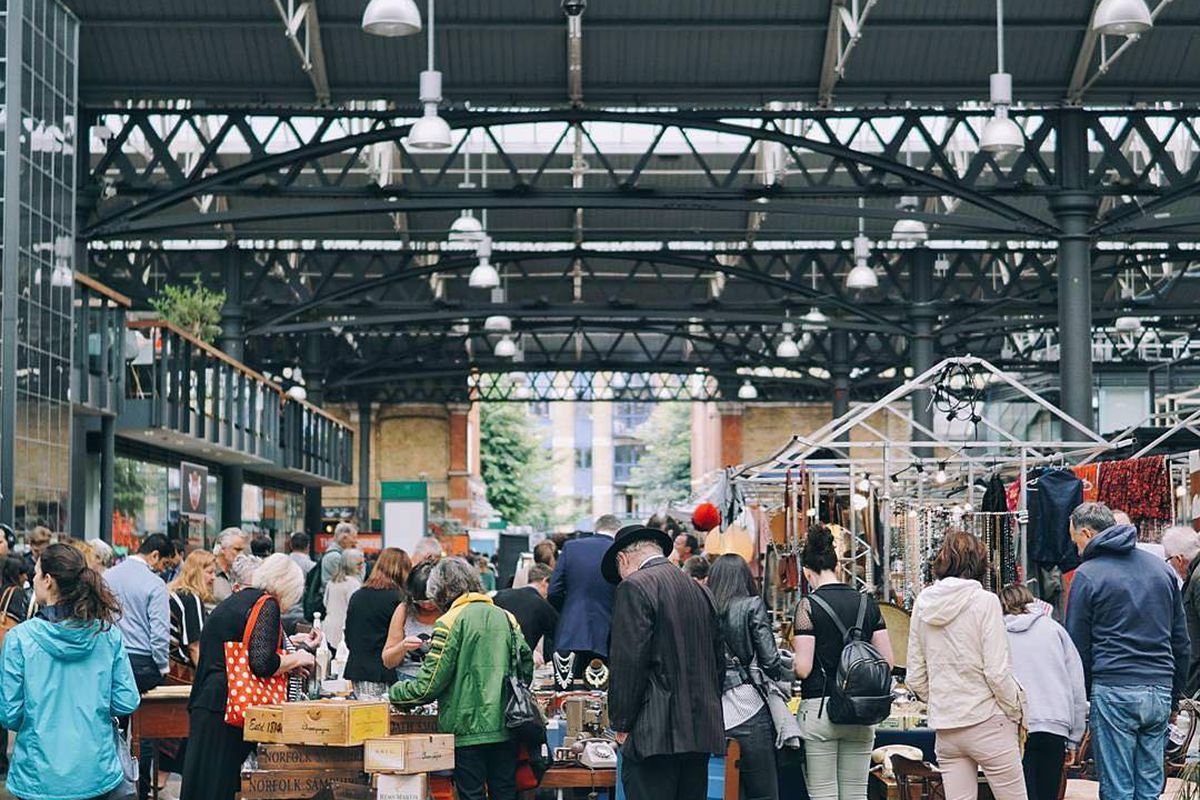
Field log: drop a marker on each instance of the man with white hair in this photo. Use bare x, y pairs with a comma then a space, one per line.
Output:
345, 537
231, 543
1181, 546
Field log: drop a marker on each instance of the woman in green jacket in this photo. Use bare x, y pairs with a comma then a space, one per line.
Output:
474, 646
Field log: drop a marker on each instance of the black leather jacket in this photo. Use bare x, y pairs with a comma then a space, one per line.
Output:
746, 629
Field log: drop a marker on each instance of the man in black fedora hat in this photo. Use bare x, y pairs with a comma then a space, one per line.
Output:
664, 698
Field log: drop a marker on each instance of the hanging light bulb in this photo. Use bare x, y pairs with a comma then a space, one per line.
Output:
1000, 134
747, 391
940, 476
1122, 18
862, 274
430, 132
466, 229
787, 347
484, 276
815, 318
1128, 324
497, 323
907, 229
505, 348
391, 18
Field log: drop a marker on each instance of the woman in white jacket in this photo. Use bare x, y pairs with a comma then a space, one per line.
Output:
1048, 666
958, 662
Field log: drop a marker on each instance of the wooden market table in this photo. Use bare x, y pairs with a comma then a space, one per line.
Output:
162, 714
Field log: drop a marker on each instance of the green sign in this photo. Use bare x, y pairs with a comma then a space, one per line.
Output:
404, 490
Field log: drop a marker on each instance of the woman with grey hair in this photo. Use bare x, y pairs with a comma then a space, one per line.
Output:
345, 582
215, 752
474, 646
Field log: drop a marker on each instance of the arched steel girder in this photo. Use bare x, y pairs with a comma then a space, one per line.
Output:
196, 186
782, 202
578, 344
460, 263
635, 316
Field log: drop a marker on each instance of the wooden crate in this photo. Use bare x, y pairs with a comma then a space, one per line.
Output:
298, 784
400, 723
307, 756
323, 722
409, 754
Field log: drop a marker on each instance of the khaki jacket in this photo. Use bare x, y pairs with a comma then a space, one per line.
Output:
958, 657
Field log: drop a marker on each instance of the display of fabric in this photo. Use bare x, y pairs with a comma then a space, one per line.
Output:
1090, 475
1140, 487
1052, 496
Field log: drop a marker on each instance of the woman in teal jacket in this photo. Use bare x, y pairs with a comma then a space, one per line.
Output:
64, 675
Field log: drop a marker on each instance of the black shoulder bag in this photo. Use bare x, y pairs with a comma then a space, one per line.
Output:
522, 715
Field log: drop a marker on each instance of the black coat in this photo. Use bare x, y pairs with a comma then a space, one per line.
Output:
751, 651
666, 664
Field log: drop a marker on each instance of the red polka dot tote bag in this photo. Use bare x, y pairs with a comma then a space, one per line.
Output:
245, 688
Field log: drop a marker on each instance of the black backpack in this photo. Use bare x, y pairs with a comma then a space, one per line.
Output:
314, 593
862, 691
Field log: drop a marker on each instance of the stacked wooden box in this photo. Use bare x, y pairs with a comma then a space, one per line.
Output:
305, 748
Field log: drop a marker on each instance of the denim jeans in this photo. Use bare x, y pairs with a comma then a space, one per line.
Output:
1129, 730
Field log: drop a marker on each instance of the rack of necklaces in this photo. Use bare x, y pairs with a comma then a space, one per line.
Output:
919, 528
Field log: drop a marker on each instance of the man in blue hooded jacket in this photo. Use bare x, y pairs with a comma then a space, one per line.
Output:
1125, 615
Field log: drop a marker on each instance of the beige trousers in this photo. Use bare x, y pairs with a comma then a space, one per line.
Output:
992, 746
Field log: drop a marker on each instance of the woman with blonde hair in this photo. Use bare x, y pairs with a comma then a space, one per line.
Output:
191, 591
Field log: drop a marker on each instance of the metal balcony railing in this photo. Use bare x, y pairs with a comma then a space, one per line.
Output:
179, 384
98, 368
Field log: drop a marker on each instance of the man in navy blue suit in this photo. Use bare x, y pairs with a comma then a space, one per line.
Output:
583, 597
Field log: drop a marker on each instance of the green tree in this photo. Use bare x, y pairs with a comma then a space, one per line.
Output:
129, 490
195, 308
514, 465
664, 473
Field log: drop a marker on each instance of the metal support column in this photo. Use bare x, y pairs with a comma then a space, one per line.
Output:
921, 348
314, 370
1074, 210
79, 476
232, 317
839, 370
232, 480
10, 239
108, 469
364, 465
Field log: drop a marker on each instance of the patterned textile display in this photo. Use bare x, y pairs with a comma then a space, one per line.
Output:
1090, 475
1140, 487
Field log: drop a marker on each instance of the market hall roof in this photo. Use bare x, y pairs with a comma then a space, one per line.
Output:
732, 53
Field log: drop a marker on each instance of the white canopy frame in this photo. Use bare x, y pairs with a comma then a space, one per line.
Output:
902, 463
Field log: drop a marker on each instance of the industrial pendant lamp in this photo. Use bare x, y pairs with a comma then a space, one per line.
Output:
466, 229
1000, 134
1128, 324
815, 318
497, 323
391, 18
430, 132
505, 348
907, 229
484, 276
747, 391
1122, 18
787, 347
862, 274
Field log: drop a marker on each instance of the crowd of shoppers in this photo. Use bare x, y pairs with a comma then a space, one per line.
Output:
1009, 691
